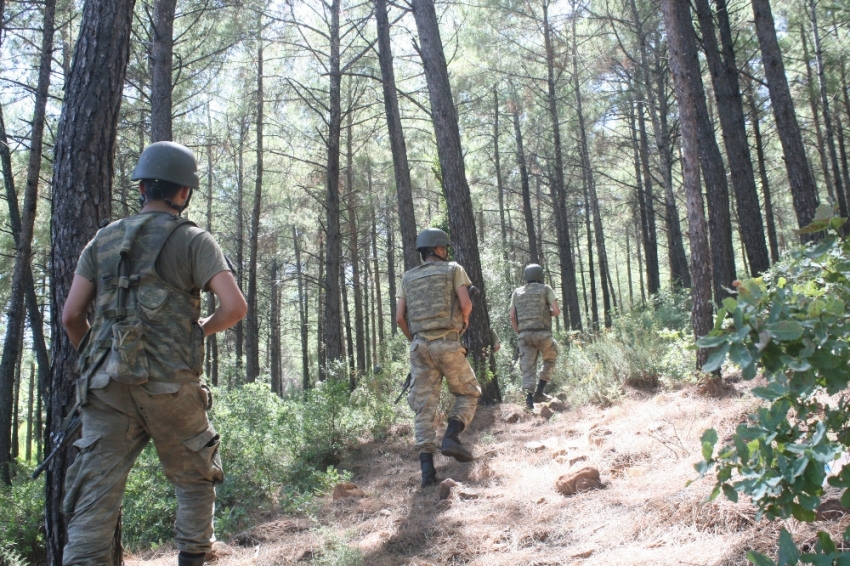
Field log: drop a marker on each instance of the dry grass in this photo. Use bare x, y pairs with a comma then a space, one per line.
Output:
507, 512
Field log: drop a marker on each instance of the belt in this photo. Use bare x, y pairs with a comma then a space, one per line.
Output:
453, 336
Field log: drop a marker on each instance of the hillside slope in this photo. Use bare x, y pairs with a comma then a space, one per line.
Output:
506, 510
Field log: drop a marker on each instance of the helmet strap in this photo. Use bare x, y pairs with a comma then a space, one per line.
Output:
436, 255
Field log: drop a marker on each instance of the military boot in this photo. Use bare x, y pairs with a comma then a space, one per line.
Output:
429, 473
539, 396
451, 443
189, 559
529, 401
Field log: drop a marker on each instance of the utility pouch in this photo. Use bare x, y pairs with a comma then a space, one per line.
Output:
127, 362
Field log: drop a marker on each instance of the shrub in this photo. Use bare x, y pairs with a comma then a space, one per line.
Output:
22, 522
794, 326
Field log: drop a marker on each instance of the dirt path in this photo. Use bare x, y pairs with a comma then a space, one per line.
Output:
506, 511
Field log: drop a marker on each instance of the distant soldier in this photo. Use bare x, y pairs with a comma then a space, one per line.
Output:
142, 358
433, 311
532, 307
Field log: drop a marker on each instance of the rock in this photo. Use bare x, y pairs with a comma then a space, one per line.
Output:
374, 541
541, 501
347, 489
585, 479
583, 554
546, 413
830, 510
578, 459
369, 506
444, 490
597, 435
558, 406
468, 494
512, 417
534, 446
556, 453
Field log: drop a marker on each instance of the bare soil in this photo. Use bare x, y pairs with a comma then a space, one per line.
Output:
505, 509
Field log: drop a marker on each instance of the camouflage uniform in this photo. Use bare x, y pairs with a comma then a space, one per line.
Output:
436, 322
140, 366
532, 303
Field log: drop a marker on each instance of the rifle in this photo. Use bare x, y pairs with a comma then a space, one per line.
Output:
60, 439
405, 386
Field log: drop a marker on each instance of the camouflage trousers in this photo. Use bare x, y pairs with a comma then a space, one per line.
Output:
429, 362
118, 421
532, 343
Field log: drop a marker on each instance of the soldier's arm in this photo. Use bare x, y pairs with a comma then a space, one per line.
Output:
232, 306
401, 318
514, 322
465, 304
556, 310
80, 296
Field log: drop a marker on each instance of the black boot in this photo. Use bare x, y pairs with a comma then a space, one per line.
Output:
539, 396
529, 402
429, 473
189, 559
451, 443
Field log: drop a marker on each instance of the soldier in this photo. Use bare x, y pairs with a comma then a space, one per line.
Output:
433, 312
532, 307
141, 360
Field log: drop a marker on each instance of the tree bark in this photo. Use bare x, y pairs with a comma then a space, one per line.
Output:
376, 270
398, 147
212, 340
727, 93
252, 341
568, 278
82, 185
803, 190
332, 333
161, 58
533, 253
813, 105
500, 189
765, 185
391, 277
354, 254
302, 313
239, 328
458, 200
646, 201
276, 375
683, 65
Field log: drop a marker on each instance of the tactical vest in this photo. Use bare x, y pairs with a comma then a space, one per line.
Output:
144, 329
532, 307
432, 302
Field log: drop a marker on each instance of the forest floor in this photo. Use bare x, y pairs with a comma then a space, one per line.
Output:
505, 509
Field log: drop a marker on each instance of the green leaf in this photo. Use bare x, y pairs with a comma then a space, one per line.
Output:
826, 542
759, 559
730, 304
739, 354
716, 358
712, 341
785, 330
730, 493
845, 498
788, 553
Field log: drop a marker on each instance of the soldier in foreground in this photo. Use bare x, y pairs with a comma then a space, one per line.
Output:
532, 307
433, 312
142, 359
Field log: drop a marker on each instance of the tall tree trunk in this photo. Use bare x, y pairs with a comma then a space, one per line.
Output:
803, 189
82, 185
349, 340
827, 115
645, 198
533, 253
22, 274
161, 57
765, 185
813, 105
397, 144
30, 402
500, 189
274, 331
212, 340
354, 254
458, 200
568, 278
684, 66
391, 278
727, 93
320, 299
656, 99
594, 301
376, 270
589, 181
332, 333
302, 313
252, 341
239, 328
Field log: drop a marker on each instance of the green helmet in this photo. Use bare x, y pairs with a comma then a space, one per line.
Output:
168, 161
532, 272
432, 238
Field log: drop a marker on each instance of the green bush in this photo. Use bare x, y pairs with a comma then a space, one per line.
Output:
22, 522
793, 325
